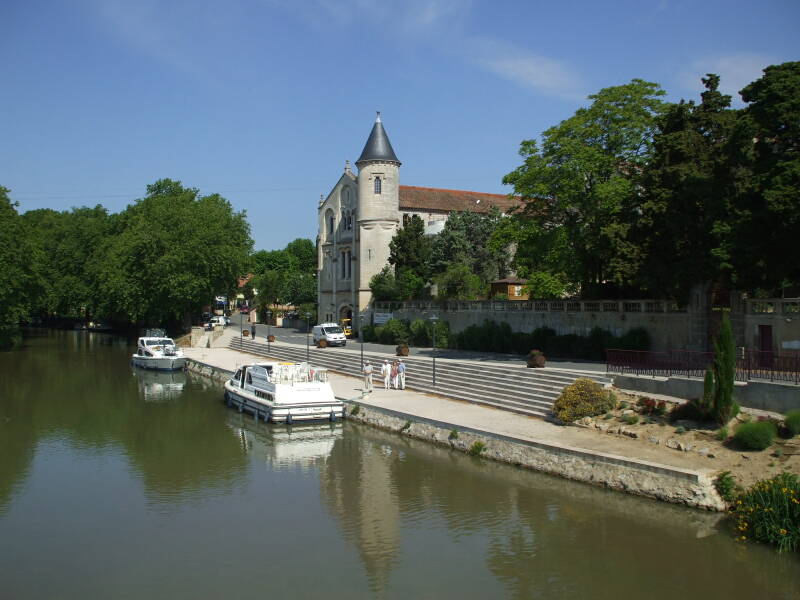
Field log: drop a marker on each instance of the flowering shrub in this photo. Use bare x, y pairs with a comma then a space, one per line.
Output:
770, 512
584, 398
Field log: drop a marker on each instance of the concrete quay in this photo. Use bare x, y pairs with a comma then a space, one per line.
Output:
505, 436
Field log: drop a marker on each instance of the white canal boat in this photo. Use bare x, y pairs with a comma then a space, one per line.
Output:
158, 352
283, 392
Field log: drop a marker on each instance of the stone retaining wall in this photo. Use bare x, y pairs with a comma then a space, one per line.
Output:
642, 478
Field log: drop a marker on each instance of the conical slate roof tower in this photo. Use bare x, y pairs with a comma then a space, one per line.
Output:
378, 147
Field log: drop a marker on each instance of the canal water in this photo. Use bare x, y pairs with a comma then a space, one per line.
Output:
116, 483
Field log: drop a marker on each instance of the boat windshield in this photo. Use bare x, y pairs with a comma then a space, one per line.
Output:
160, 342
298, 373
333, 330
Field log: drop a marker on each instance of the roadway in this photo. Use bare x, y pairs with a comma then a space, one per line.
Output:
299, 337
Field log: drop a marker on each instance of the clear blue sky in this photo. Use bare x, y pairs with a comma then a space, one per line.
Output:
263, 100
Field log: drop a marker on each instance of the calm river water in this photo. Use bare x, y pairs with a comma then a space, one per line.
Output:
117, 483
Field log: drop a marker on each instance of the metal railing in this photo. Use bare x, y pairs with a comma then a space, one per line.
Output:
610, 306
750, 364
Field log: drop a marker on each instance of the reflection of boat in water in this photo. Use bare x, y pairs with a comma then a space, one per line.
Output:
155, 386
283, 392
302, 445
154, 351
98, 326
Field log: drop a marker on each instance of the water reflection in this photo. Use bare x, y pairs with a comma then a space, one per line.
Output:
159, 386
77, 388
305, 447
538, 535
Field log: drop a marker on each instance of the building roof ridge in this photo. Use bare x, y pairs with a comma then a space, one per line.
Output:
433, 189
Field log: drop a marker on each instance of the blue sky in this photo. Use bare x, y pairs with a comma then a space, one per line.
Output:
263, 100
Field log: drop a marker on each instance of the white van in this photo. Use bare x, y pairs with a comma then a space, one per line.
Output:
331, 333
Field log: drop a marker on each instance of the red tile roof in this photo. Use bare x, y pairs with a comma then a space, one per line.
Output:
438, 200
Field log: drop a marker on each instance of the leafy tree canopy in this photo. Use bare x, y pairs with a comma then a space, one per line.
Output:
585, 170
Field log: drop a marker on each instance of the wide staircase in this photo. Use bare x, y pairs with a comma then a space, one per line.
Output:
514, 388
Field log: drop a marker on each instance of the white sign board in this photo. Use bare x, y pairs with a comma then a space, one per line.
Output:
380, 318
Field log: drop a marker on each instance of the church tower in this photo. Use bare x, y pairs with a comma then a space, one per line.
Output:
378, 207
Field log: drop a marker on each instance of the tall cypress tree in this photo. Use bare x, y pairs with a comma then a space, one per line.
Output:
724, 373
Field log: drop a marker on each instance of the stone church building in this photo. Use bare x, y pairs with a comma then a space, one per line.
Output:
362, 213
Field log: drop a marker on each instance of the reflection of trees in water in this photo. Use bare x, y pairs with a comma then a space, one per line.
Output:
81, 389
547, 537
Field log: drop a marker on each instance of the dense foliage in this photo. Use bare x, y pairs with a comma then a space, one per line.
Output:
286, 276
21, 279
792, 422
756, 435
583, 398
156, 262
769, 512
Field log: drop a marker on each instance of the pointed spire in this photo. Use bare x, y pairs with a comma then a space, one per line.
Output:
378, 146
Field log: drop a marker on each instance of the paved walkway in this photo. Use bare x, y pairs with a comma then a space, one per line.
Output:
457, 414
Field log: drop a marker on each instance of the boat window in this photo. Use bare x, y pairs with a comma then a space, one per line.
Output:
249, 377
238, 375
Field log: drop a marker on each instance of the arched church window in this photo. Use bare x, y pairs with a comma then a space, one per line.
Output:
377, 185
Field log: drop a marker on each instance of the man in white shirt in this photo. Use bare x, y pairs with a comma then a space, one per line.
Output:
386, 371
367, 370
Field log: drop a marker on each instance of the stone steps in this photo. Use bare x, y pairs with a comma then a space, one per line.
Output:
517, 389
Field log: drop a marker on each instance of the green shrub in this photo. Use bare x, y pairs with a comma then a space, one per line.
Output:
394, 331
420, 330
726, 486
680, 429
584, 398
688, 411
370, 333
722, 434
755, 436
453, 434
355, 410
769, 512
406, 425
792, 422
630, 419
476, 448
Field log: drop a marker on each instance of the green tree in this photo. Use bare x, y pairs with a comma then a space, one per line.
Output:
686, 213
584, 173
170, 252
298, 288
273, 260
465, 241
771, 203
20, 271
383, 286
410, 249
270, 287
725, 407
459, 282
305, 253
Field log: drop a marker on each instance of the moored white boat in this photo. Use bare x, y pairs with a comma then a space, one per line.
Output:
283, 392
159, 353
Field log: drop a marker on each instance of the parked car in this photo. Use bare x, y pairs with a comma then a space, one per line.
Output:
330, 333
217, 320
244, 310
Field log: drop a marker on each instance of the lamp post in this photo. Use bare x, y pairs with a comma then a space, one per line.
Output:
241, 328
361, 337
434, 318
269, 325
308, 329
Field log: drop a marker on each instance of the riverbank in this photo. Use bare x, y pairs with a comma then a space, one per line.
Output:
568, 452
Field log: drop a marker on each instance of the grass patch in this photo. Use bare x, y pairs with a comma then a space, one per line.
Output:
722, 434
680, 429
476, 448
630, 419
355, 410
453, 434
406, 426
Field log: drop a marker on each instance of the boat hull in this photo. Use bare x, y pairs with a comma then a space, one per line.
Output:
276, 412
159, 363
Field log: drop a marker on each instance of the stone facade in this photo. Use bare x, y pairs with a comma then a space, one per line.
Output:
360, 216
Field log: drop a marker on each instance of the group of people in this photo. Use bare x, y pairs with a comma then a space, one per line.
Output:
394, 375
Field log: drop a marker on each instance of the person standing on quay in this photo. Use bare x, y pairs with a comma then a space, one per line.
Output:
367, 370
253, 331
401, 374
394, 374
386, 372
